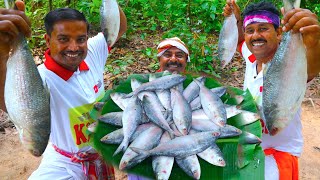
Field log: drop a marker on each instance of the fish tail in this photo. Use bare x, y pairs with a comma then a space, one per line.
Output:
129, 95
142, 154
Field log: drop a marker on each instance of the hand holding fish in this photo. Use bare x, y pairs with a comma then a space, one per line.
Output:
305, 22
230, 7
12, 22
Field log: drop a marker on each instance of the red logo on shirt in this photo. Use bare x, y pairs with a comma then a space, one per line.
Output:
261, 88
95, 88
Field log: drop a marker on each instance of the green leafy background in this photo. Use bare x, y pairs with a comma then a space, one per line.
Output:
243, 161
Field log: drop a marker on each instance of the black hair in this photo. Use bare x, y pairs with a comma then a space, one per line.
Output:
62, 14
262, 5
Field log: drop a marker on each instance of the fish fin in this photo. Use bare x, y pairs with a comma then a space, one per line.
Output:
142, 154
129, 95
152, 77
122, 147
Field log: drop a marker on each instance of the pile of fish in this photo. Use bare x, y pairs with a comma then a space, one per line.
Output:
162, 120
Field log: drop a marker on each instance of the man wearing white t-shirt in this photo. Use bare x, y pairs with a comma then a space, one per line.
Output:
259, 38
73, 72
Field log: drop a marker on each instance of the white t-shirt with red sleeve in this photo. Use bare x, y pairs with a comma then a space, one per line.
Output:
289, 139
72, 95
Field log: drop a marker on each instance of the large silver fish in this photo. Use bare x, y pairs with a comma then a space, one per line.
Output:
228, 40
147, 140
110, 20
190, 165
27, 98
285, 81
162, 165
180, 147
182, 115
212, 105
130, 120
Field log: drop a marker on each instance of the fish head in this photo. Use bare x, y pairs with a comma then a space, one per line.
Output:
196, 174
221, 162
68, 43
123, 165
173, 60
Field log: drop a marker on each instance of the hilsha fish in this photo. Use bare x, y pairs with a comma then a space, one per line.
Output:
228, 40
26, 97
110, 20
285, 81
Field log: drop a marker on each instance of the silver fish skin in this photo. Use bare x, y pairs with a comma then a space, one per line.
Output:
285, 81
228, 40
135, 84
116, 137
147, 139
201, 122
110, 20
219, 91
213, 155
212, 106
165, 99
190, 165
163, 95
164, 82
192, 90
130, 120
247, 117
27, 99
196, 104
229, 131
119, 99
180, 147
92, 127
162, 165
232, 111
115, 118
152, 108
181, 110
249, 138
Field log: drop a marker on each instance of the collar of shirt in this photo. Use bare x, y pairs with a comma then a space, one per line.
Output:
62, 72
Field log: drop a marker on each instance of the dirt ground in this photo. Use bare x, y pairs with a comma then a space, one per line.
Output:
17, 164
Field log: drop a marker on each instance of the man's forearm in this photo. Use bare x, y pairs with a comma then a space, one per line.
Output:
3, 70
313, 55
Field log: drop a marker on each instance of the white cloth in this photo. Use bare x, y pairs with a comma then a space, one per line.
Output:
70, 103
176, 42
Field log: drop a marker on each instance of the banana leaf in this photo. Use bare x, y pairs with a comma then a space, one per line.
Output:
242, 161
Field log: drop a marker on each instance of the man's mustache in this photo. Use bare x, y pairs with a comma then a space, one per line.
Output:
258, 40
173, 64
